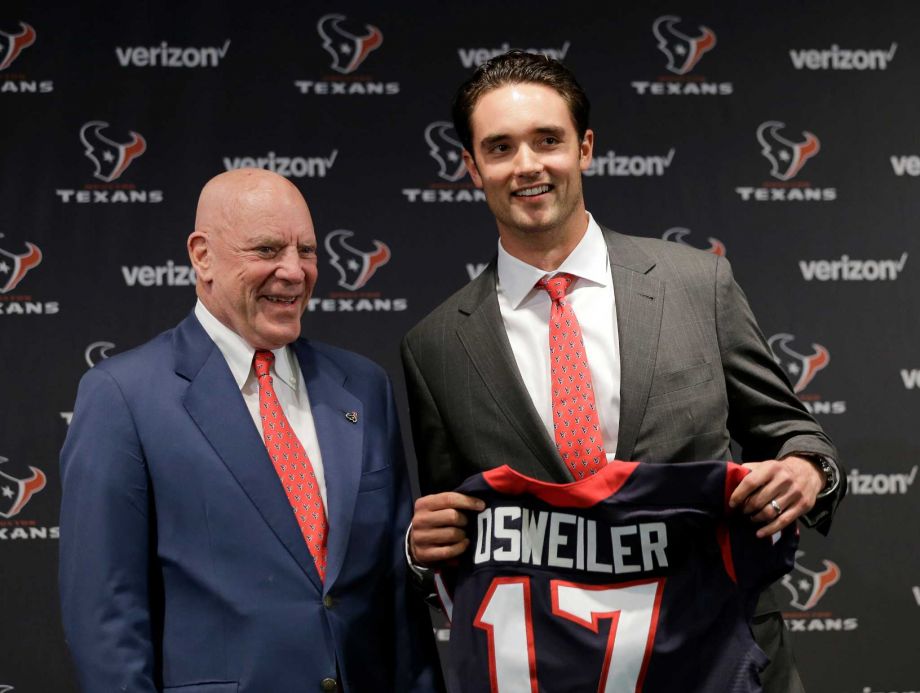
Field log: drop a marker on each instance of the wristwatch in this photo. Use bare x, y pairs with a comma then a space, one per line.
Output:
827, 466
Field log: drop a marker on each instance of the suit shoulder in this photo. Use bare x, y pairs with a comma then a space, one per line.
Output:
147, 357
680, 260
660, 248
447, 313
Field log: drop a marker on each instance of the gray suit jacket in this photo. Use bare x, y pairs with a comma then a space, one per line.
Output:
695, 373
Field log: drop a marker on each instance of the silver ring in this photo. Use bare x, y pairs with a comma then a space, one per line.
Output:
775, 506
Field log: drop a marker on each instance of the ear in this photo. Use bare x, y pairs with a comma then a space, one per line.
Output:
471, 167
586, 150
199, 252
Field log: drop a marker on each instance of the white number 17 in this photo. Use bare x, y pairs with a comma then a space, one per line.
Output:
505, 615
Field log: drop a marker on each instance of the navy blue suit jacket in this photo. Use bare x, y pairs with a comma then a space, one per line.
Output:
182, 566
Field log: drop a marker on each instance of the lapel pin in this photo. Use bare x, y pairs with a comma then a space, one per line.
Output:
352, 416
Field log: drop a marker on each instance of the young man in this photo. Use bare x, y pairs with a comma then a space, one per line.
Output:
677, 365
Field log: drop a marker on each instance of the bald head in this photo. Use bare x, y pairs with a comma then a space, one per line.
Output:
225, 195
254, 253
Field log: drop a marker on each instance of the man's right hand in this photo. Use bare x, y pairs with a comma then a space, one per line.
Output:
438, 527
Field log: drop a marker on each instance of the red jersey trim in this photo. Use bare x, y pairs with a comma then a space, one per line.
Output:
734, 473
584, 493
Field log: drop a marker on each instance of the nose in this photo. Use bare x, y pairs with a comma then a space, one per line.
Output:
527, 162
290, 268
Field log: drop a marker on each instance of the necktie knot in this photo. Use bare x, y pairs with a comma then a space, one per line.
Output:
556, 286
262, 362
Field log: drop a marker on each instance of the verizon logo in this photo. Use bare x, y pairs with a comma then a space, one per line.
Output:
477, 56
837, 58
911, 378
169, 274
475, 269
613, 164
165, 55
287, 166
848, 269
880, 484
906, 165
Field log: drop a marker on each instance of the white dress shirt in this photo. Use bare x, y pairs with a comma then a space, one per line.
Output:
525, 312
288, 383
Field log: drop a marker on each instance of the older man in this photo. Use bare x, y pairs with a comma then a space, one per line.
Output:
234, 496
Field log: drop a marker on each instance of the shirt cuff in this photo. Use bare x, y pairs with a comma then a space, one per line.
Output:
420, 571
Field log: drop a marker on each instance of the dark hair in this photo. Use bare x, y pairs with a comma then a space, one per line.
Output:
517, 67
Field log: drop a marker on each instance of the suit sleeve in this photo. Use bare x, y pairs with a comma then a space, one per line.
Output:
437, 470
105, 542
765, 417
417, 669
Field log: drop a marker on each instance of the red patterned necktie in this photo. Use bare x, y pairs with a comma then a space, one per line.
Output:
292, 464
575, 419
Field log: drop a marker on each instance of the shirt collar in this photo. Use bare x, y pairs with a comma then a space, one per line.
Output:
588, 260
239, 354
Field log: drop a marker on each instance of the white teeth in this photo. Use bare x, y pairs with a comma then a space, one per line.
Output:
529, 192
278, 299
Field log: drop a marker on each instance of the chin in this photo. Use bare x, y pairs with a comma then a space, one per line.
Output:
279, 338
288, 337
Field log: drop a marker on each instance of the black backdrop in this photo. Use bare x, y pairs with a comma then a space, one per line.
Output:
822, 238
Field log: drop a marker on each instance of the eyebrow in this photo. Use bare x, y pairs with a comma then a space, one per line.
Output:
492, 139
544, 130
262, 240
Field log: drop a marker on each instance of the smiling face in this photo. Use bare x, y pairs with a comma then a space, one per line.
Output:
528, 160
254, 252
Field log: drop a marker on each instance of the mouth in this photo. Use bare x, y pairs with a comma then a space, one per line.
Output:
533, 191
282, 300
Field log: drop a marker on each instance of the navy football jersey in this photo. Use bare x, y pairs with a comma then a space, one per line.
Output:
635, 579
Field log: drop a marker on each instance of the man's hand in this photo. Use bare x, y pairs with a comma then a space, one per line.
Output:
437, 527
777, 492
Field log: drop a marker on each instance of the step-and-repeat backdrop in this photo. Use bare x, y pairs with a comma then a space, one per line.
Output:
784, 135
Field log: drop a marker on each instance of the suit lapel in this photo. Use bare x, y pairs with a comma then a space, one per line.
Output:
486, 342
341, 441
639, 300
215, 404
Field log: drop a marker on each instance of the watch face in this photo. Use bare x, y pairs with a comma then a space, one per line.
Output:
830, 474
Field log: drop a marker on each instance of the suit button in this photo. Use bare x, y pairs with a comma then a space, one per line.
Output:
329, 684
328, 602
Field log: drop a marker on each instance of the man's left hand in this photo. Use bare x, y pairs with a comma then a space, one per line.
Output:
777, 492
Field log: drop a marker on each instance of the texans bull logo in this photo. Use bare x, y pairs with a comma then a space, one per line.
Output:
355, 267
14, 267
348, 50
96, 352
15, 493
109, 157
683, 51
445, 148
806, 586
800, 368
678, 234
11, 45
785, 156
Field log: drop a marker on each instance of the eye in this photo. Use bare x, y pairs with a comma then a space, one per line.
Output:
266, 251
307, 250
550, 140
